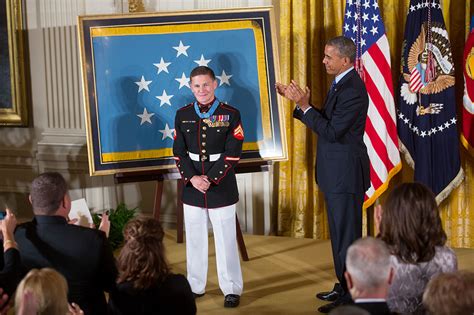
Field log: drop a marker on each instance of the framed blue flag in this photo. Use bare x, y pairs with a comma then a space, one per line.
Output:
136, 75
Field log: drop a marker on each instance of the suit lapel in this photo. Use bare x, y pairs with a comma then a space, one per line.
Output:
330, 99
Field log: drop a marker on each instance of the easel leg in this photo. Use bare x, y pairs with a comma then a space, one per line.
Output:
240, 241
179, 213
157, 203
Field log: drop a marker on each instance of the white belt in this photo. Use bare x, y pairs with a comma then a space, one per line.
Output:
203, 157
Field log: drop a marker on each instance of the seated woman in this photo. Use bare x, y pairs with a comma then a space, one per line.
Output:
411, 226
145, 284
44, 292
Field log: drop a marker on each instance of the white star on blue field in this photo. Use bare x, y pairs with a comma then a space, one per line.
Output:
141, 80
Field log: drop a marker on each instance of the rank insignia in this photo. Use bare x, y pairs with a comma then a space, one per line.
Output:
239, 132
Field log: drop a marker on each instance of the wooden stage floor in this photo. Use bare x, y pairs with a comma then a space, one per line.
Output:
282, 276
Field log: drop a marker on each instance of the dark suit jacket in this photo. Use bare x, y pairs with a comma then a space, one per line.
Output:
82, 255
11, 274
342, 163
173, 296
375, 308
220, 133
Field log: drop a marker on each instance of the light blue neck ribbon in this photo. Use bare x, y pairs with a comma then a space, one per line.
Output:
209, 112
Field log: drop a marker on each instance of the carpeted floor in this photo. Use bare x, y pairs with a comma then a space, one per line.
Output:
282, 276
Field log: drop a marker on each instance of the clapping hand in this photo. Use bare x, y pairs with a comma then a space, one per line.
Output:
294, 93
7, 227
104, 225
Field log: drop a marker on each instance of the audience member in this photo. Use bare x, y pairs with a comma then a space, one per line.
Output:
369, 274
82, 255
43, 292
145, 282
411, 227
450, 293
10, 275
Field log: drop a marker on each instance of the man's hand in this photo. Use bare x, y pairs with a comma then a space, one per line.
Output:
201, 183
298, 95
294, 93
281, 88
104, 225
284, 90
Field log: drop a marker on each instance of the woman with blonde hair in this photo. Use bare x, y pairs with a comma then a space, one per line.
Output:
44, 292
145, 284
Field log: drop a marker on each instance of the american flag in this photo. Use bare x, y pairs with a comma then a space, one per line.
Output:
363, 24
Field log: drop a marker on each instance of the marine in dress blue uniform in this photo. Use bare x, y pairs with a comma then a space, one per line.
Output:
207, 147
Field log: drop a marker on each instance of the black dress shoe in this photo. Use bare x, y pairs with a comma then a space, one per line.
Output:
326, 308
231, 300
198, 295
330, 296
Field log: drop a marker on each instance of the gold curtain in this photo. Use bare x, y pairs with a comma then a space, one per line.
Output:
305, 25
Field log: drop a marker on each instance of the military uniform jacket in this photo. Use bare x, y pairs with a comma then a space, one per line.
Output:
222, 134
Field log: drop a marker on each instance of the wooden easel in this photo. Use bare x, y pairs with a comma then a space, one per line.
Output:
172, 174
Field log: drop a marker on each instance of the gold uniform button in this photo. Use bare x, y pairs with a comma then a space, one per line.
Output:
203, 151
220, 172
187, 130
185, 178
204, 128
203, 144
215, 178
182, 172
225, 165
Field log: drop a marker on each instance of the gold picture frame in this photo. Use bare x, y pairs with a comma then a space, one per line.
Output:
13, 107
117, 50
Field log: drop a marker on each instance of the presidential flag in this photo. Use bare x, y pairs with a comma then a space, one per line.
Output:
141, 77
467, 132
427, 123
363, 24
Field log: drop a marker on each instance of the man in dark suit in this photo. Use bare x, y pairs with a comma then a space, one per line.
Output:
342, 163
207, 146
82, 255
369, 274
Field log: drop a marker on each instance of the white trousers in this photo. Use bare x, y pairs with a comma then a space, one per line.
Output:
225, 241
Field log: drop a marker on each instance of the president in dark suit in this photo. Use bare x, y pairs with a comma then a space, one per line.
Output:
82, 255
342, 163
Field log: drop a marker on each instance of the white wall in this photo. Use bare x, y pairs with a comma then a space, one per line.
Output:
56, 140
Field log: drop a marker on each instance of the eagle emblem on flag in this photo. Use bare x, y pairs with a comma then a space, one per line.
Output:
432, 67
